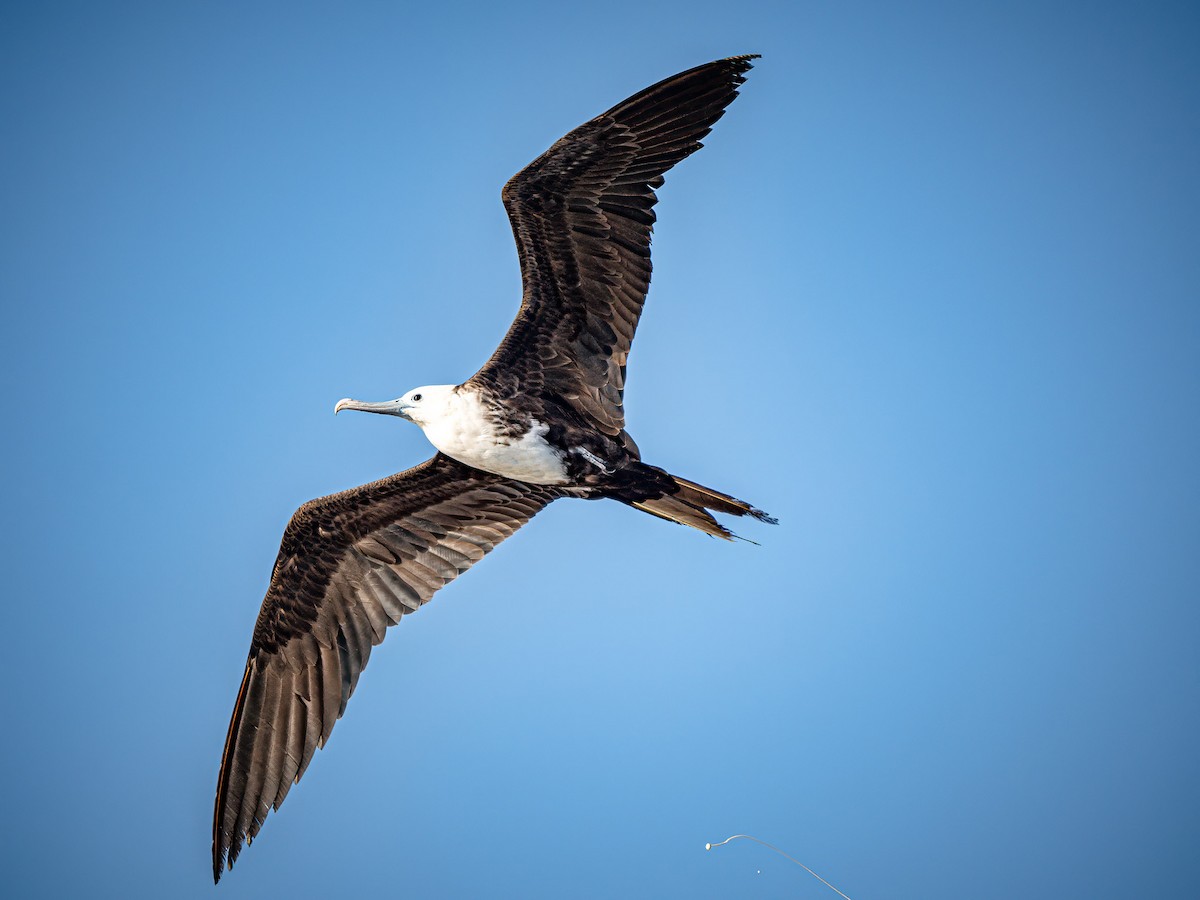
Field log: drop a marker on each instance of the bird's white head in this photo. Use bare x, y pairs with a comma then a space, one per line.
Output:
422, 406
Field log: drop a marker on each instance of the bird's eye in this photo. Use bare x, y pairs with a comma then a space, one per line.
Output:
416, 398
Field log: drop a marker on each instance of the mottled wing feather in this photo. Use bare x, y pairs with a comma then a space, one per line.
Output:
582, 214
349, 566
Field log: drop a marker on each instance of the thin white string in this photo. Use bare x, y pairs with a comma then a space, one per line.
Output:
781, 853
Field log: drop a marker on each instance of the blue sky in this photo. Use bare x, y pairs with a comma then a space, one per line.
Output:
931, 295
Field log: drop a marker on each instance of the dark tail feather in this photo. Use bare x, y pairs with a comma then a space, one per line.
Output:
689, 504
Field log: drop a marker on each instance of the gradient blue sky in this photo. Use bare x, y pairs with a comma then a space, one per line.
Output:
931, 295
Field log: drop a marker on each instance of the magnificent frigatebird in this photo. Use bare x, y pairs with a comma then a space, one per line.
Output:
542, 419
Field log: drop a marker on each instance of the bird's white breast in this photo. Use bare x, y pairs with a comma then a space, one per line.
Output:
465, 430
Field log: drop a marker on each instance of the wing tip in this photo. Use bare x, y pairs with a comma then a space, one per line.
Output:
740, 64
220, 853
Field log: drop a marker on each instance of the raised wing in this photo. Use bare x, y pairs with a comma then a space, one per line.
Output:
350, 565
582, 214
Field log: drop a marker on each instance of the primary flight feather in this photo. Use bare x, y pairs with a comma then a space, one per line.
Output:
542, 419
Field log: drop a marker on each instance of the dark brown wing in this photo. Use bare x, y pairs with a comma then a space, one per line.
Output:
350, 565
582, 214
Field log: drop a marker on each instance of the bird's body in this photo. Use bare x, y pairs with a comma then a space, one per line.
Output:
470, 424
471, 427
542, 420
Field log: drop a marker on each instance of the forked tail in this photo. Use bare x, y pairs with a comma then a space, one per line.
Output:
687, 503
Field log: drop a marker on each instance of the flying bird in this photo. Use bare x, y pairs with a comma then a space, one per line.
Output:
543, 419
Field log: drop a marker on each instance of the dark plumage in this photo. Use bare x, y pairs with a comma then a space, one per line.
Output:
349, 566
353, 563
582, 214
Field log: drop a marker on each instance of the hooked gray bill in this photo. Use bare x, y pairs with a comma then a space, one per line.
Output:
387, 407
